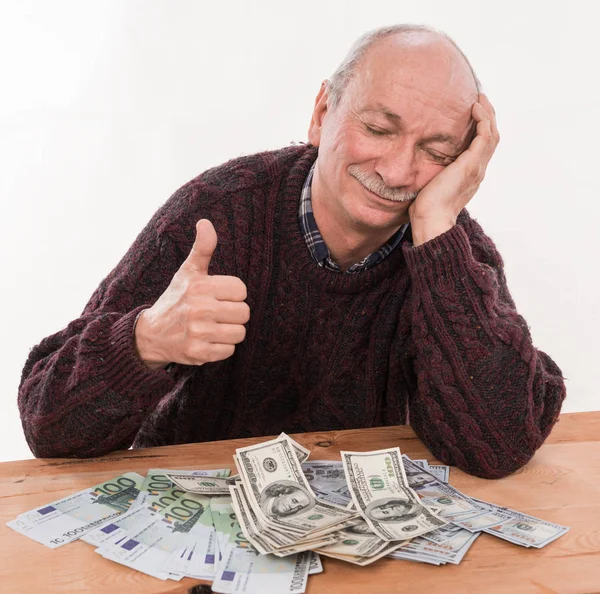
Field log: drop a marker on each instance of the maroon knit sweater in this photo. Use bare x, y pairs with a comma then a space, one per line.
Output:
431, 331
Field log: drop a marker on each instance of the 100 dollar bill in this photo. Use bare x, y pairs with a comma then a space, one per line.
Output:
279, 492
380, 491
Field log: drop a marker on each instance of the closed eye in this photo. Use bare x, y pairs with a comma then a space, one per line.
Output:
434, 157
376, 132
438, 158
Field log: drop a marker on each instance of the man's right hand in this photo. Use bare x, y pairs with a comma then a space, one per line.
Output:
199, 318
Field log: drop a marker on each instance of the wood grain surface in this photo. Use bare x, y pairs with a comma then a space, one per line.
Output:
560, 484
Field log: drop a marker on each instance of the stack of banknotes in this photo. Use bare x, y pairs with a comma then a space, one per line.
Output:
264, 529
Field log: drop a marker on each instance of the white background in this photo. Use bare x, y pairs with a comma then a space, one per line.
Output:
108, 107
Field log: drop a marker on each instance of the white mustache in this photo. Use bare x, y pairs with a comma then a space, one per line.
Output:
378, 187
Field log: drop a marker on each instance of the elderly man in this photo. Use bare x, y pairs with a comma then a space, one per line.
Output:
327, 285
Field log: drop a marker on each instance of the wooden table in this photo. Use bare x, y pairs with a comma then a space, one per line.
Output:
560, 484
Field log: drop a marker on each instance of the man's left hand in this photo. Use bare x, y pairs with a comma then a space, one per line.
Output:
436, 207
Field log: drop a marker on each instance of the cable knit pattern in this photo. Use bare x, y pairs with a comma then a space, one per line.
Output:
430, 336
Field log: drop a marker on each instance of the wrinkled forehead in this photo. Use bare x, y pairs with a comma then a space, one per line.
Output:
425, 71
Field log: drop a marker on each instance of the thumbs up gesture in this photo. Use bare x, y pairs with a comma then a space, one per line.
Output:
199, 318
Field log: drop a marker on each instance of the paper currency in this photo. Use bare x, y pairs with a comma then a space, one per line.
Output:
60, 522
327, 479
120, 526
381, 493
279, 492
200, 484
434, 493
244, 570
420, 549
527, 531
197, 556
158, 491
153, 545
357, 540
441, 472
362, 561
315, 564
280, 512
224, 520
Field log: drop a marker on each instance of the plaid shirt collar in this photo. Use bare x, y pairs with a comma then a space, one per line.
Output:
317, 247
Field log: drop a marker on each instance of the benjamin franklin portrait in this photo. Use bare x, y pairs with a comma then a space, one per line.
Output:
284, 499
360, 527
392, 509
418, 479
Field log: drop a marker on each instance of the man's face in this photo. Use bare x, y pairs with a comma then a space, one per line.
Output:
388, 132
291, 503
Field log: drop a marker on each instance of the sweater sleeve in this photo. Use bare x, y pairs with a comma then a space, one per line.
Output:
486, 398
84, 391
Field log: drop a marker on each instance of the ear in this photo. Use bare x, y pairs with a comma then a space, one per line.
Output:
319, 111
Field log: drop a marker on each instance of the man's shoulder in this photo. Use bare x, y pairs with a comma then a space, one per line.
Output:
251, 171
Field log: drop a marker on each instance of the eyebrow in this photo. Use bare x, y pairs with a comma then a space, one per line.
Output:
396, 119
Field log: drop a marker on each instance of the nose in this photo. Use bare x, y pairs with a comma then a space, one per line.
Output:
397, 166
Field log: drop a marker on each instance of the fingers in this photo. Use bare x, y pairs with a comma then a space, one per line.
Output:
218, 352
222, 288
228, 334
203, 248
207, 343
491, 114
484, 144
229, 312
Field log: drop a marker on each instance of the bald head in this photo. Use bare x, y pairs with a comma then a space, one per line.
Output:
424, 50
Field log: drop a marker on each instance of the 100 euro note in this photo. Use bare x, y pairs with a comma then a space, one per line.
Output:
197, 556
381, 493
244, 570
224, 521
63, 521
149, 547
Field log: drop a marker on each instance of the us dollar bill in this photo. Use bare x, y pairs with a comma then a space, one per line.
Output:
203, 485
327, 479
434, 493
423, 550
440, 471
158, 491
279, 492
381, 493
362, 561
356, 539
527, 531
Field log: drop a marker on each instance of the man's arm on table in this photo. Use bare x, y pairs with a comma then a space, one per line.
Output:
487, 399
85, 391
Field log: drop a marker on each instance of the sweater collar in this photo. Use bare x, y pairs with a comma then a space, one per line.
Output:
300, 259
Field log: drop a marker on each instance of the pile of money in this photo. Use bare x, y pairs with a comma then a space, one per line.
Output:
264, 529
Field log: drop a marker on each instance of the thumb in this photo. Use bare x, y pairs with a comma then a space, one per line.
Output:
203, 248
